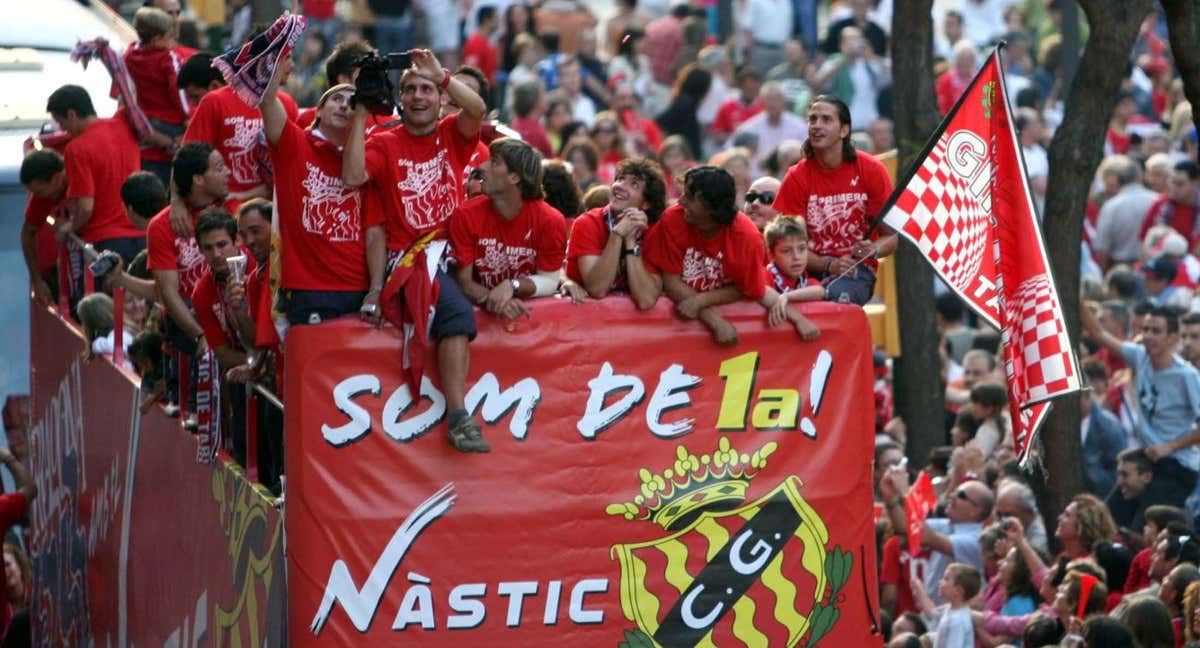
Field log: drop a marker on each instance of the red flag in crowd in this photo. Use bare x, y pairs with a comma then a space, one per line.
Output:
920, 500
966, 205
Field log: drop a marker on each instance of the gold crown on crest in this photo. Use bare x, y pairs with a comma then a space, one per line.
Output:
693, 484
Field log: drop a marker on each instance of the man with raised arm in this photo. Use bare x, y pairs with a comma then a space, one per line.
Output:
1168, 393
326, 267
415, 172
604, 251
709, 254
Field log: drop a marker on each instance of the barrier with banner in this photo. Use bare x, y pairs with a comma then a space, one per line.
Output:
646, 487
133, 541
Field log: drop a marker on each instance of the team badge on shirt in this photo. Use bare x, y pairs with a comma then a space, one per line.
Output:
330, 209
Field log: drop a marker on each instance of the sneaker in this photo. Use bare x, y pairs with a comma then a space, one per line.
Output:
466, 436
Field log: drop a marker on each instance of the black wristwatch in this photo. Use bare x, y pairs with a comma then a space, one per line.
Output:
636, 250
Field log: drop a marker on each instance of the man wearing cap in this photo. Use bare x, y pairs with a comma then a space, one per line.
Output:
1168, 399
321, 219
1159, 274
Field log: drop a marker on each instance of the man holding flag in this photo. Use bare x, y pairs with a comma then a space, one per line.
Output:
838, 191
967, 207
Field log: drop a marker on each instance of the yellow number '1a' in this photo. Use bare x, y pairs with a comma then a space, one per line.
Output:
739, 373
775, 409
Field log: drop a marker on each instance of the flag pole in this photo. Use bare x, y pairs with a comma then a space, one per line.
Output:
902, 182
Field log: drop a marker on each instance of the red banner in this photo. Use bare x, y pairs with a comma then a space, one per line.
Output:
645, 485
133, 542
920, 500
967, 206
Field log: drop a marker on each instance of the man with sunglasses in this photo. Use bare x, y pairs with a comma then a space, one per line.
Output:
760, 201
954, 538
1168, 390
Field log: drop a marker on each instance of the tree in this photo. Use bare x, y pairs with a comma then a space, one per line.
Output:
1075, 154
919, 398
1183, 27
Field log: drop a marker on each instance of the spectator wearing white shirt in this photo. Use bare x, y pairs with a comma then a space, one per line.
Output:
1037, 165
774, 124
856, 76
570, 80
767, 25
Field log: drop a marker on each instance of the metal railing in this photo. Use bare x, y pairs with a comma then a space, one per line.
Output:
75, 250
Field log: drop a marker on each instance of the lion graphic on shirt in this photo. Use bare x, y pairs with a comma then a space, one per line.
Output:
835, 222
500, 261
239, 149
330, 209
702, 272
428, 191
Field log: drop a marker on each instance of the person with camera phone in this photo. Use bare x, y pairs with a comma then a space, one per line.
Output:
326, 265
415, 174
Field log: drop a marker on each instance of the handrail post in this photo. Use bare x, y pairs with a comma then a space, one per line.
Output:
118, 326
64, 280
251, 432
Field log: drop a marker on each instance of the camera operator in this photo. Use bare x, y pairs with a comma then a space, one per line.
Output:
416, 172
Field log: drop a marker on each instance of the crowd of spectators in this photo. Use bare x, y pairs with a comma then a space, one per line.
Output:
671, 149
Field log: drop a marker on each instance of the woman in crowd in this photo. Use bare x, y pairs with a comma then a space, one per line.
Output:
691, 85
1082, 524
676, 158
561, 191
610, 143
558, 117
96, 317
585, 160
631, 64
1149, 621
518, 19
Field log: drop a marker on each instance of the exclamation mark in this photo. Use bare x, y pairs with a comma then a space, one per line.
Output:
816, 391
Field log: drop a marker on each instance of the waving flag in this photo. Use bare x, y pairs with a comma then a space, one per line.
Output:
920, 500
966, 205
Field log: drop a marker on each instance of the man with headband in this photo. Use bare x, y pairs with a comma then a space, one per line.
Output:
415, 174
321, 220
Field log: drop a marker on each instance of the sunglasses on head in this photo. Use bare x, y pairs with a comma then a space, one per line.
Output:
765, 197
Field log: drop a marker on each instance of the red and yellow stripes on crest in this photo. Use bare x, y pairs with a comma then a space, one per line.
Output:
656, 573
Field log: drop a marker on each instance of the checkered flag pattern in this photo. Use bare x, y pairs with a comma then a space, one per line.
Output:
1036, 346
938, 213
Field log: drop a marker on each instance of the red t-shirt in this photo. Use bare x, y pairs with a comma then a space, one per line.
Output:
734, 256
534, 241
419, 178
231, 126
607, 169
258, 294
98, 161
214, 316
732, 113
36, 211
895, 570
1181, 218
318, 9
154, 71
321, 221
479, 52
776, 279
166, 251
589, 236
949, 88
837, 204
534, 134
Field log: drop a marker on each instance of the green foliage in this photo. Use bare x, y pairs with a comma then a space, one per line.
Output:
636, 639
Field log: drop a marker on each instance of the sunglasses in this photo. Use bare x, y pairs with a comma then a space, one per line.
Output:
765, 197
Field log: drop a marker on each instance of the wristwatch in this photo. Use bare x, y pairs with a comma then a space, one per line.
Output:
636, 250
516, 285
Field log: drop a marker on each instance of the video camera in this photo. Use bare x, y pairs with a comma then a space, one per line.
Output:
374, 88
